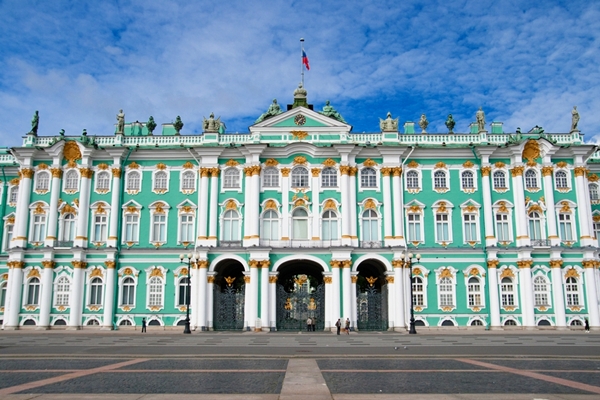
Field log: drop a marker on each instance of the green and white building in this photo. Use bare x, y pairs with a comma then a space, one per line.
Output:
300, 217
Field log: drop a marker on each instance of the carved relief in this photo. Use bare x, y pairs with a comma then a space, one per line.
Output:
531, 150
232, 163
329, 163
271, 162
369, 163
71, 151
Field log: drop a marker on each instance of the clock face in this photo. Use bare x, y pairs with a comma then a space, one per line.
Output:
300, 120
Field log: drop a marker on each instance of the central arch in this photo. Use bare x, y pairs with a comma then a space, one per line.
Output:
371, 296
229, 295
300, 295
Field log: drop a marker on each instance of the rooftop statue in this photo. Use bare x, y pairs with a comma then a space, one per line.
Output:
222, 127
330, 112
120, 122
450, 124
273, 110
62, 133
211, 124
574, 118
388, 124
480, 118
178, 124
35, 122
423, 123
151, 125
83, 138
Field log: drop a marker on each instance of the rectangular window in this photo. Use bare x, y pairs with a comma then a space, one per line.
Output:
39, 228
566, 227
596, 232
502, 231
442, 228
132, 225
159, 228
100, 228
8, 235
186, 228
470, 227
128, 295
414, 227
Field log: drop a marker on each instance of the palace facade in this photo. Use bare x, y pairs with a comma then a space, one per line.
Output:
300, 218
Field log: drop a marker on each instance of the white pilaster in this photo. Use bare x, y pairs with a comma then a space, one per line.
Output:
346, 282
115, 206
352, 203
265, 299
285, 204
109, 297
77, 286
255, 211
273, 300
253, 318
46, 295
202, 294
22, 209
391, 282
194, 303
353, 304
248, 307
210, 288
214, 207
488, 216
398, 204
81, 240
335, 292
558, 297
346, 236
53, 211
388, 235
203, 208
16, 287
492, 274
550, 214
316, 206
584, 209
520, 213
329, 321
248, 205
526, 289
400, 288
591, 292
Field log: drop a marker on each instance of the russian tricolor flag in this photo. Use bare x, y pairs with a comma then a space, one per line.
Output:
305, 60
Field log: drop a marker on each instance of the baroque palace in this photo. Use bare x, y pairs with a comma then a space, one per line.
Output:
300, 218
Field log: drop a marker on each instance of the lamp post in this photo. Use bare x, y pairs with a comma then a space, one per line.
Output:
408, 261
187, 258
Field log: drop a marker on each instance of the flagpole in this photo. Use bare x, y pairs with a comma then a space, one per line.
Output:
301, 63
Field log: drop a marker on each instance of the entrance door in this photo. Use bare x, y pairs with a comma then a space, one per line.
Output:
229, 305
298, 298
371, 305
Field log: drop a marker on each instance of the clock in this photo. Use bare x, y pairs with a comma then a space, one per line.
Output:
300, 120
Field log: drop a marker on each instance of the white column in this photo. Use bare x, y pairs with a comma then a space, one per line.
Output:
109, 298
273, 300
115, 207
526, 286
346, 236
335, 281
520, 213
81, 240
387, 206
248, 301
203, 207
346, 282
400, 289
22, 209
558, 298
591, 292
583, 209
488, 216
391, 301
46, 295
248, 205
194, 303
8, 288
77, 286
285, 204
255, 211
210, 288
353, 306
264, 295
316, 209
214, 207
253, 294
398, 206
492, 274
329, 321
550, 214
202, 294
53, 212
352, 203
16, 287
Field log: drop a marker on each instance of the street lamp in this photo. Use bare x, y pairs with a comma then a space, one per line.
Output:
189, 258
408, 260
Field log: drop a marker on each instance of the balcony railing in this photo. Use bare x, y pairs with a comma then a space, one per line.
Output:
371, 244
540, 242
230, 243
64, 243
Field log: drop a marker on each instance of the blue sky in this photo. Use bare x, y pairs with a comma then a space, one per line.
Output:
79, 62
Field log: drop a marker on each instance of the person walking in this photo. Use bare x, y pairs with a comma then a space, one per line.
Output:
308, 324
143, 325
314, 323
587, 326
338, 325
347, 326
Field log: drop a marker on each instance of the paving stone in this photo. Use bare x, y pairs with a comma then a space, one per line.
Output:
8, 379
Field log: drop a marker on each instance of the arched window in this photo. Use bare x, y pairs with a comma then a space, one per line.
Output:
71, 180
128, 292
531, 179
33, 292
231, 226
446, 291
231, 178
368, 178
594, 194
467, 180
133, 181
188, 180
42, 181
13, 195
560, 178
565, 226
474, 292
499, 178
418, 291
510, 322
271, 177
183, 295
160, 180
300, 177
370, 223
299, 224
535, 226
572, 291
502, 227
412, 180
102, 181
186, 228
439, 180
329, 177
67, 231
125, 322
476, 322
329, 225
270, 226
507, 290
93, 322
540, 291
155, 292
96, 292
62, 289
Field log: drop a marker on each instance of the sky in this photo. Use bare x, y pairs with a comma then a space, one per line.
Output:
78, 62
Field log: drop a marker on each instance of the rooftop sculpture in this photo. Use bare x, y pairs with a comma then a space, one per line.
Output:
388, 124
273, 110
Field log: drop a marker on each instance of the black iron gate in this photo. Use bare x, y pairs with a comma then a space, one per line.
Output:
228, 310
296, 306
372, 307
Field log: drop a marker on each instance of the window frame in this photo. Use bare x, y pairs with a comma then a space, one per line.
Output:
559, 184
33, 298
329, 178
270, 221
531, 180
539, 291
231, 179
373, 220
410, 177
161, 177
71, 180
497, 175
61, 297
191, 228
187, 176
440, 181
104, 178
95, 291
508, 293
369, 178
38, 181
573, 292
129, 188
296, 220
270, 178
472, 179
299, 177
332, 220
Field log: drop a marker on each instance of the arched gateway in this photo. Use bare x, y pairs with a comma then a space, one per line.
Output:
371, 296
300, 295
229, 296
